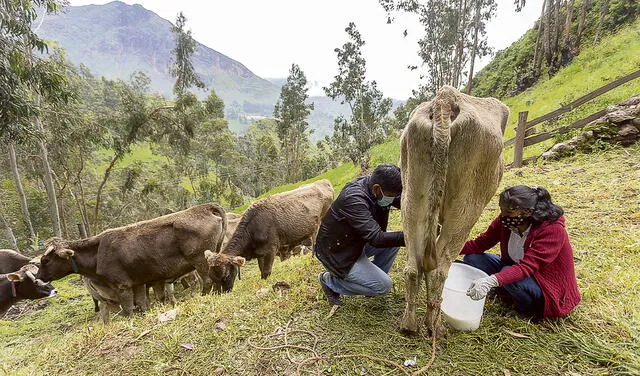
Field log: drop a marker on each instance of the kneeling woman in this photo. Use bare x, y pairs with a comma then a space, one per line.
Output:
536, 263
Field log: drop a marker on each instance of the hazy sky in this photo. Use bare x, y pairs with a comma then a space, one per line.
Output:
267, 36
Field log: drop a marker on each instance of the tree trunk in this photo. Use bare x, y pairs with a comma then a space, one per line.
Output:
96, 208
476, 23
23, 198
583, 15
566, 53
459, 33
83, 202
61, 188
7, 229
82, 227
547, 32
603, 12
555, 37
81, 230
48, 181
537, 55
567, 25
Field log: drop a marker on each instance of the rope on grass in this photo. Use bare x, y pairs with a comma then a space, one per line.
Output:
436, 306
351, 356
316, 358
433, 353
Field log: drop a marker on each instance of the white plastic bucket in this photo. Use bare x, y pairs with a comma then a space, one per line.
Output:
459, 310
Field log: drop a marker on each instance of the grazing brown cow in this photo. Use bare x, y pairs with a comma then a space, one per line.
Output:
284, 253
126, 258
22, 284
269, 227
451, 163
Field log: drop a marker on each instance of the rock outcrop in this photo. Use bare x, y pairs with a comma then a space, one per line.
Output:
620, 125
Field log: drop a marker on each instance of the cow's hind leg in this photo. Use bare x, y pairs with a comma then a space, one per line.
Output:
170, 294
412, 279
435, 283
158, 291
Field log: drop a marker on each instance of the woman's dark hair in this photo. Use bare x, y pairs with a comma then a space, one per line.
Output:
388, 177
536, 198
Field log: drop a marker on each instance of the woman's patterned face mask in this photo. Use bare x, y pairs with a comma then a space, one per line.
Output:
511, 222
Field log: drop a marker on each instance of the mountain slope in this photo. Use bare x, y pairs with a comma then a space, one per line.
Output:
116, 39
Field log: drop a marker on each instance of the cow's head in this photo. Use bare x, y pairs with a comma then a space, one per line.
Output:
57, 261
27, 286
223, 270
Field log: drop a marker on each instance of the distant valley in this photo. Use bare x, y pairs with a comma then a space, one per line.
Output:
114, 40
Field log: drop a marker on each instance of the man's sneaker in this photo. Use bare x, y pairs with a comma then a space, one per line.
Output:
332, 297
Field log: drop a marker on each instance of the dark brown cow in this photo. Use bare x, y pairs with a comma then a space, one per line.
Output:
126, 258
22, 284
272, 226
10, 261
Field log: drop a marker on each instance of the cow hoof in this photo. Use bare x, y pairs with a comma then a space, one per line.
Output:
439, 330
409, 326
408, 332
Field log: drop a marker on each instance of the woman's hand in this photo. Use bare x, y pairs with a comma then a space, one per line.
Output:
481, 286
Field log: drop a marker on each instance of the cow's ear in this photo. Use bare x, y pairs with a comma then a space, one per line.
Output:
211, 257
15, 277
238, 261
65, 253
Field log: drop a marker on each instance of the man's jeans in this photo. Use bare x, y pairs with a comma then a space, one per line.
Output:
366, 277
526, 293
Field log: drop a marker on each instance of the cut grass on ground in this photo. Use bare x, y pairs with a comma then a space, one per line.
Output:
218, 334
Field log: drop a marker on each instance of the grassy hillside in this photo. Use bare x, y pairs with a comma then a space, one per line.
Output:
508, 72
219, 335
615, 57
247, 332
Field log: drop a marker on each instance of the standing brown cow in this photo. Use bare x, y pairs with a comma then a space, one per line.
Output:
126, 258
451, 162
272, 226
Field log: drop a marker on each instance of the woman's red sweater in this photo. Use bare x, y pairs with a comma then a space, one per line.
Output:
548, 257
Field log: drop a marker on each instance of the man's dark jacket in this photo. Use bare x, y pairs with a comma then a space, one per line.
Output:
354, 219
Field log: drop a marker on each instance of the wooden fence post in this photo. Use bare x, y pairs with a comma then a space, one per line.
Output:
518, 150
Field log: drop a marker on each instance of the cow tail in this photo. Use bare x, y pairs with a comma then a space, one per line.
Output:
219, 210
443, 112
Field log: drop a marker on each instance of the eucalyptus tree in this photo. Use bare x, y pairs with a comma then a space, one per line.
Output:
354, 136
26, 80
261, 168
182, 68
291, 112
73, 134
21, 72
454, 37
141, 116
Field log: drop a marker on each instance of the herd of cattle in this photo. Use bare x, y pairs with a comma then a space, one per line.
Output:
201, 244
451, 163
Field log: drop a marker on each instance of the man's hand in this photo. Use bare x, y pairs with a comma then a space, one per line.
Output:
481, 286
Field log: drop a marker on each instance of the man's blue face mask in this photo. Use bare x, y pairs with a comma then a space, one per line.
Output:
385, 201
